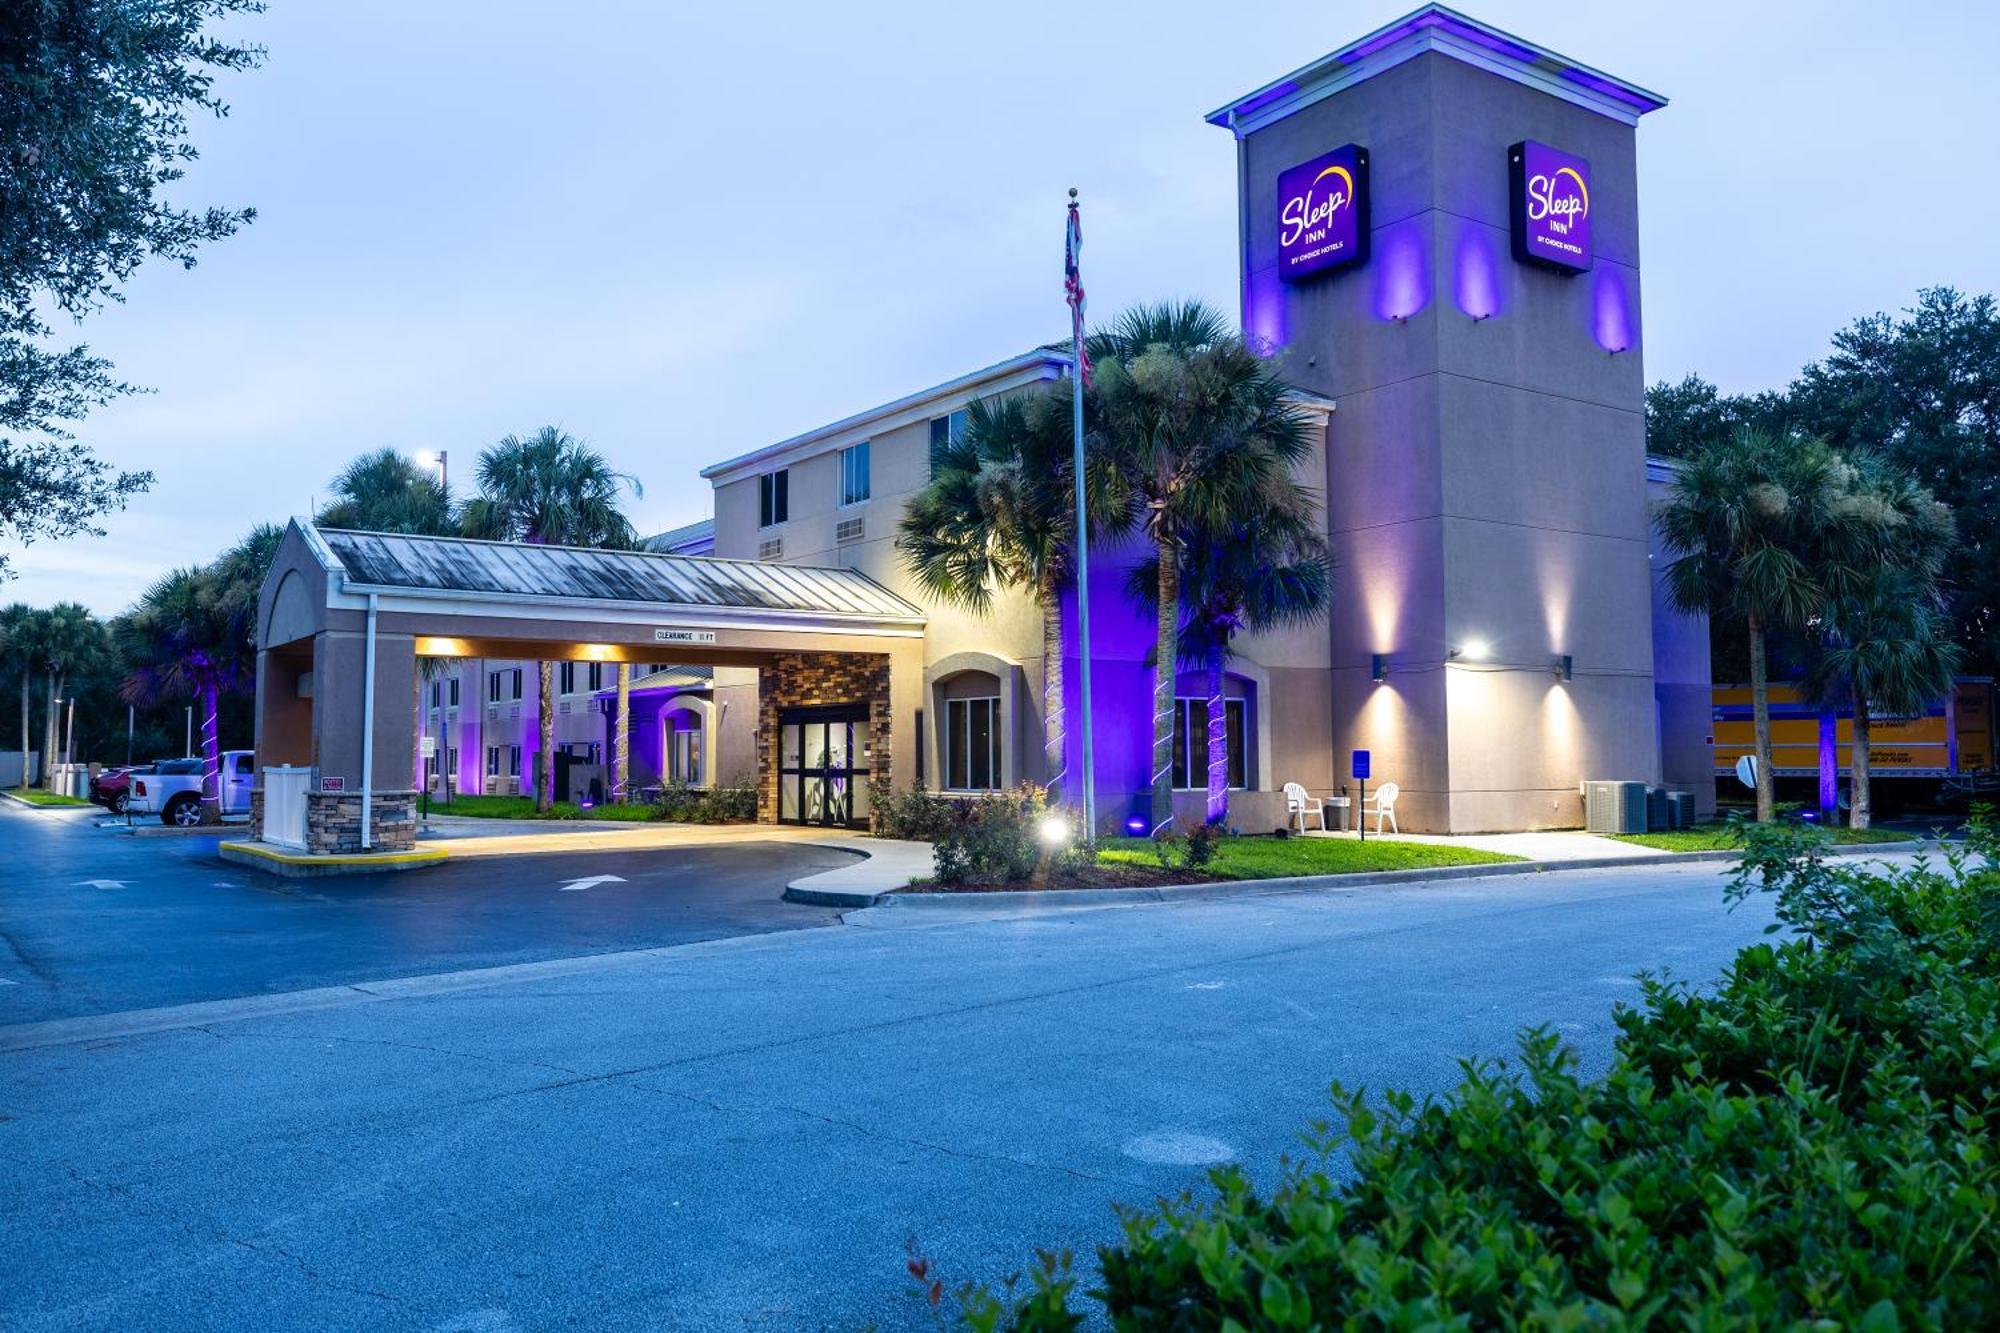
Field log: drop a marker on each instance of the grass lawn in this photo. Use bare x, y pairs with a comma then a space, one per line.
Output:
1272, 858
36, 796
1720, 836
523, 807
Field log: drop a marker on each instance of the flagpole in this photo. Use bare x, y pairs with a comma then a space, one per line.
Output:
1082, 551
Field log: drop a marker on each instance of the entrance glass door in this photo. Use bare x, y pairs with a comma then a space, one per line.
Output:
823, 766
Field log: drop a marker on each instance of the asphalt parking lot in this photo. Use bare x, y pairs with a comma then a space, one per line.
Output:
92, 921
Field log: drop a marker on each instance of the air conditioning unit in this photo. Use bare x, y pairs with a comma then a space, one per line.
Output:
850, 530
1614, 807
1656, 810
1680, 809
771, 548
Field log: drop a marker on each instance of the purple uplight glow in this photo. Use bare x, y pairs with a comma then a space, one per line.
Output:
1597, 83
1477, 276
1403, 270
1136, 826
1611, 310
1264, 312
1416, 23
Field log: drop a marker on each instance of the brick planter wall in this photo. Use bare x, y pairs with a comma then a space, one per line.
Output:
810, 680
333, 822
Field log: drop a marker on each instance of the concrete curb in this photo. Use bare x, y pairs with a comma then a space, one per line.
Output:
7, 795
1059, 899
153, 828
883, 867
300, 865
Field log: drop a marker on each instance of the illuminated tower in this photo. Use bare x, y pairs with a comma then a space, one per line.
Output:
1439, 230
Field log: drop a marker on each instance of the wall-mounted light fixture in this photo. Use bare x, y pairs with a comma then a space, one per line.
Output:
1472, 650
1565, 668
1378, 667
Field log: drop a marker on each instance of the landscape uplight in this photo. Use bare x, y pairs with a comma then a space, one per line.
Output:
1054, 830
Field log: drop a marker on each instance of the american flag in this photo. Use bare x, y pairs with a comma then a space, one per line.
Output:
1073, 280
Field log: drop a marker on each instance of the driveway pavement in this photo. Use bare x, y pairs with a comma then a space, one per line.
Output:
746, 1133
94, 922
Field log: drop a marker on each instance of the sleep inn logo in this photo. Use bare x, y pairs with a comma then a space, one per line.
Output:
1323, 213
1551, 206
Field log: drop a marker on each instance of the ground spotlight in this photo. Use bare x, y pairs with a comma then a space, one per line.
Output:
1054, 830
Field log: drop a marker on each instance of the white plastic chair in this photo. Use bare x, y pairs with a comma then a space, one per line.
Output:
1298, 805
1383, 806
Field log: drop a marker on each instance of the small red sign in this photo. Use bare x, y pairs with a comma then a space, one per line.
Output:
333, 784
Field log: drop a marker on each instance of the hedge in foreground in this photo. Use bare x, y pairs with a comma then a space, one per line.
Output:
1811, 1146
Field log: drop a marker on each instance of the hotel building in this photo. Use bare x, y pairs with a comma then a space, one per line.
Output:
1438, 239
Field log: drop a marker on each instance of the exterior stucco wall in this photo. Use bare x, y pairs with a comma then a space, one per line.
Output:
1486, 475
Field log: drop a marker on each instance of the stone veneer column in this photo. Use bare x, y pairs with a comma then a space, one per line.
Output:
333, 822
812, 680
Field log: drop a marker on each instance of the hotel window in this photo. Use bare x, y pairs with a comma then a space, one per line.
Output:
510, 680
492, 761
451, 693
972, 744
437, 693
597, 675
854, 473
948, 429
513, 761
568, 673
774, 498
1191, 744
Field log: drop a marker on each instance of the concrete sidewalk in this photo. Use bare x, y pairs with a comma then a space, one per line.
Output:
1548, 845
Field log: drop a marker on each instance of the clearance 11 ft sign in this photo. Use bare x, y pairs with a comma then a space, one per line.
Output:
1323, 213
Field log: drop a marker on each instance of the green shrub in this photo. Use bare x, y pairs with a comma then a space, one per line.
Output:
919, 814
1203, 842
729, 803
1810, 1145
998, 838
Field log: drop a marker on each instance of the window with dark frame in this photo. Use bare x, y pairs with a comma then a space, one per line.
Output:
854, 481
774, 498
972, 744
1191, 744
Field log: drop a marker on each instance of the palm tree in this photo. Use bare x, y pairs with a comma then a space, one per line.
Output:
194, 634
1766, 530
1201, 429
67, 637
386, 491
1885, 644
1261, 572
553, 488
1000, 512
20, 639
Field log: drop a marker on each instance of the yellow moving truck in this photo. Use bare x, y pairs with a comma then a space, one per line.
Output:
1954, 737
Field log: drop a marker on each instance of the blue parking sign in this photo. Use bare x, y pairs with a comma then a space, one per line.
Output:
1360, 765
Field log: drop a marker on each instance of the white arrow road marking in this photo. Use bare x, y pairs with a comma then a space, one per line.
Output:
579, 885
102, 883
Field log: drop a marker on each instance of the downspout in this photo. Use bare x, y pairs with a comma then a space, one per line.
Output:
368, 732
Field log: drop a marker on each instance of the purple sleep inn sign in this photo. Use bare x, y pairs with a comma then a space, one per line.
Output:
1323, 213
1551, 206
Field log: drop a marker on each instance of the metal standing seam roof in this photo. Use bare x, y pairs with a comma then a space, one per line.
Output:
523, 569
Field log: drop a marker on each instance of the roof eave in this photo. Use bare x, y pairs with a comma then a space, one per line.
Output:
821, 436
1446, 31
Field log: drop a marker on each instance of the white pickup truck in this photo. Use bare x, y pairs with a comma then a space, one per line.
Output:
172, 790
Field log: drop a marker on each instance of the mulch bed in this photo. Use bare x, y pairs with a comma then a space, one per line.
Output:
1094, 877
